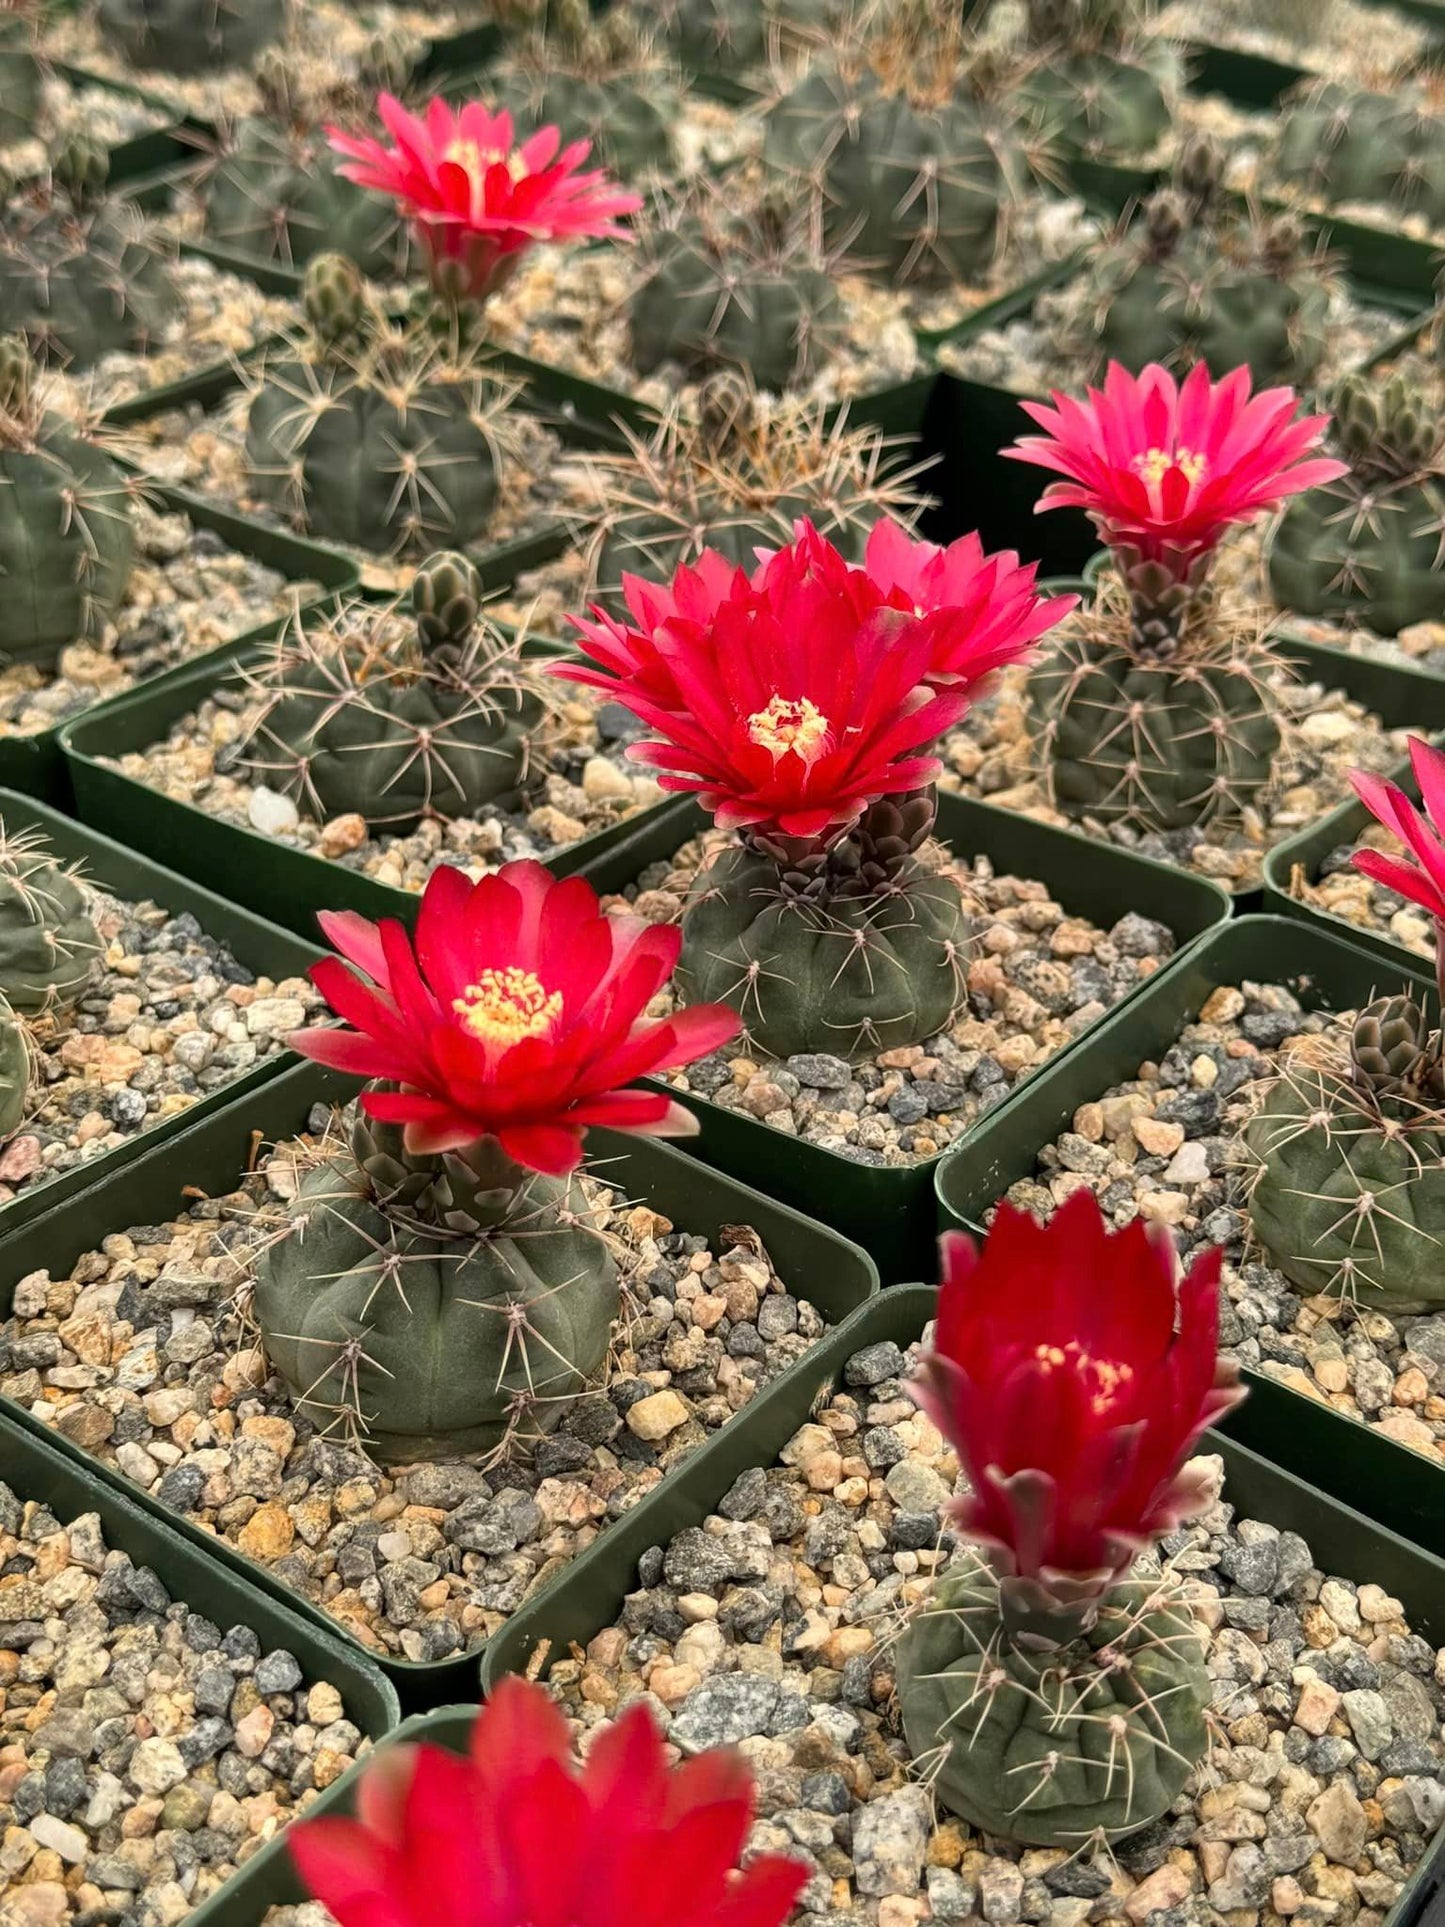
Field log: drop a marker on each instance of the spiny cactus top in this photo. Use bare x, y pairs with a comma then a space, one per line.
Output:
477, 198
621, 1840
1419, 873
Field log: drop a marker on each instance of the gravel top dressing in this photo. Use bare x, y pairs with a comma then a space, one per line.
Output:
1341, 891
144, 1357
67, 108
145, 1752
1346, 39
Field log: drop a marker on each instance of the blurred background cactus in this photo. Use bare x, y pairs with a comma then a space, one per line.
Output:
1098, 83
191, 36
732, 36
20, 71
48, 939
66, 537
1341, 144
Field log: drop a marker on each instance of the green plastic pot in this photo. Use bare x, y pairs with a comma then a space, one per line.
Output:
261, 946
36, 764
890, 1210
1400, 1488
818, 1263
1247, 79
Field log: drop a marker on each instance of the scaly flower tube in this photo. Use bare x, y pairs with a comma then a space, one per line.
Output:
516, 1834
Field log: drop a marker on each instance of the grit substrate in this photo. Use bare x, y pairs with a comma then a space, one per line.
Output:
168, 1017
142, 1357
66, 108
1347, 40
145, 1751
1033, 979
1342, 891
1166, 1146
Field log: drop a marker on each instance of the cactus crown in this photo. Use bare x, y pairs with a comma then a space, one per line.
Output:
80, 168
1396, 1057
920, 49
1389, 430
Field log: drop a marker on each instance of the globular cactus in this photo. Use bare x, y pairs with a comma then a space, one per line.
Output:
735, 477
728, 286
16, 1071
397, 715
1096, 82
428, 1305
915, 173
19, 72
79, 275
1368, 547
1092, 1737
273, 190
375, 432
1348, 1145
856, 947
1338, 144
596, 78
48, 939
1198, 276
191, 36
67, 543
731, 36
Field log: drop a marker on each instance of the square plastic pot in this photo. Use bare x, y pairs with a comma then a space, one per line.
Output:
36, 764
260, 945
1391, 1483
819, 1264
889, 1210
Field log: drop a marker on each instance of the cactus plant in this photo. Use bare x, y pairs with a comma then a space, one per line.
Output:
1155, 709
397, 717
1096, 82
48, 939
729, 286
1368, 547
19, 72
731, 36
66, 539
440, 1285
801, 705
735, 477
191, 36
1340, 144
916, 174
1347, 1193
374, 432
16, 1070
79, 274
1197, 276
1053, 1684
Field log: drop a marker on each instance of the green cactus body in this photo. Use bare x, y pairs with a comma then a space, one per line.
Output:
1338, 144
1102, 104
66, 539
48, 939
15, 1069
275, 194
398, 717
1052, 1748
843, 972
19, 78
730, 36
430, 1305
191, 36
628, 115
748, 292
911, 191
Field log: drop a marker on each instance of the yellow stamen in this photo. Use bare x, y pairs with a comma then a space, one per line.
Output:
1109, 1377
475, 159
504, 1006
797, 725
1157, 462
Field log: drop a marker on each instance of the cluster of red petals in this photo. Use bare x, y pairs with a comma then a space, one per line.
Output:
795, 696
1072, 1370
1420, 876
477, 198
516, 1835
518, 1015
1165, 468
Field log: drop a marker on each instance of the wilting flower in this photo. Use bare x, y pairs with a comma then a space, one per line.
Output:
1164, 468
518, 1015
795, 697
517, 1835
1073, 1370
478, 198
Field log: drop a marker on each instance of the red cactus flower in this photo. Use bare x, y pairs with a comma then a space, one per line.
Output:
517, 1835
1072, 1371
1420, 876
477, 198
518, 1016
795, 697
1164, 468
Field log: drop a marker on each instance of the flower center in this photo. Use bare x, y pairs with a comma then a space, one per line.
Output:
504, 1006
786, 725
1156, 463
475, 160
1104, 1377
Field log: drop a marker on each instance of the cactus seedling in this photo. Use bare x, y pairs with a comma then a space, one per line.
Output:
1054, 1681
191, 36
66, 540
397, 717
1368, 546
800, 705
48, 939
438, 1285
1154, 711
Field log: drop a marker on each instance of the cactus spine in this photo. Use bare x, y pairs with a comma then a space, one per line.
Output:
66, 539
48, 940
191, 36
